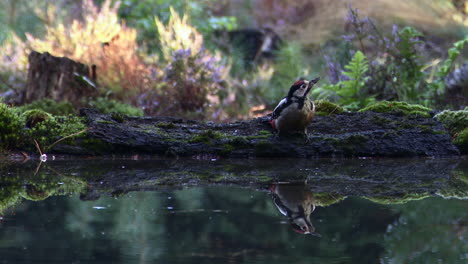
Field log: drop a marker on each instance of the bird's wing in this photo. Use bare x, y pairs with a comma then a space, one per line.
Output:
312, 105
280, 107
281, 207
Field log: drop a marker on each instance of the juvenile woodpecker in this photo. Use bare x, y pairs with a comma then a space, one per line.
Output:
296, 110
297, 203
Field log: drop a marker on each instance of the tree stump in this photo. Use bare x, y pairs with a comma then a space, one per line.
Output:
58, 78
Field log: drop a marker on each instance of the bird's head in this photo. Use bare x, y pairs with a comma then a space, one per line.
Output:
303, 225
302, 87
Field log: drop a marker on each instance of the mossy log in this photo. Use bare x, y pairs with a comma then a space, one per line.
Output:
349, 134
58, 78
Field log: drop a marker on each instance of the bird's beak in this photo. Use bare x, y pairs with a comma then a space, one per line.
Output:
311, 84
314, 81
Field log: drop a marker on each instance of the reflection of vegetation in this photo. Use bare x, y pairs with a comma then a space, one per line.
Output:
404, 198
458, 185
134, 222
327, 199
428, 231
35, 186
9, 193
213, 223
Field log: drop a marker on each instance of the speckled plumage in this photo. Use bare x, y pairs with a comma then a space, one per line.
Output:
294, 112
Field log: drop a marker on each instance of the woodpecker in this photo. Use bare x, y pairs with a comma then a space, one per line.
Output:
297, 203
295, 111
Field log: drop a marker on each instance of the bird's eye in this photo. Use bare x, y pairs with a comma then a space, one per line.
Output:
303, 86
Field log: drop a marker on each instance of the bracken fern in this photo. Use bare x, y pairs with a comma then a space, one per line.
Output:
351, 93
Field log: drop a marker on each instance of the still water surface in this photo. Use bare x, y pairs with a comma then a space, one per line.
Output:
227, 223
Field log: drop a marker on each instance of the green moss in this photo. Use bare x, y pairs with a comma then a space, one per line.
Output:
105, 122
206, 137
47, 129
461, 140
227, 148
166, 125
324, 107
262, 178
118, 117
42, 127
266, 148
331, 140
10, 127
263, 134
107, 106
239, 141
235, 143
380, 120
398, 107
348, 143
33, 117
454, 121
50, 106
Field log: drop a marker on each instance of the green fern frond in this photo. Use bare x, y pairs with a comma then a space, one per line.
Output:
357, 67
352, 93
453, 54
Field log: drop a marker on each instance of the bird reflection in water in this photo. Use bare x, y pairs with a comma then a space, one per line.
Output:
297, 203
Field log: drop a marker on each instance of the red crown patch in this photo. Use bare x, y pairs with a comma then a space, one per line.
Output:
299, 82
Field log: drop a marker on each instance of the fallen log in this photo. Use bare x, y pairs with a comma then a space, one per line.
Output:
349, 134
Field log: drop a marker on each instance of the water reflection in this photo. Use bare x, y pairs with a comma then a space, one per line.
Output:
296, 202
228, 224
133, 212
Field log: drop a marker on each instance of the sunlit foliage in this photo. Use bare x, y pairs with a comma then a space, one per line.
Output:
171, 66
13, 63
177, 35
100, 39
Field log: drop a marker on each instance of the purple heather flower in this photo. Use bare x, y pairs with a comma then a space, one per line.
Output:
348, 38
395, 34
333, 71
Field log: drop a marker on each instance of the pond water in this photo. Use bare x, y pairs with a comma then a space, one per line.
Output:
161, 211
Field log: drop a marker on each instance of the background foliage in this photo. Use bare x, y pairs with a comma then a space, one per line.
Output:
163, 56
